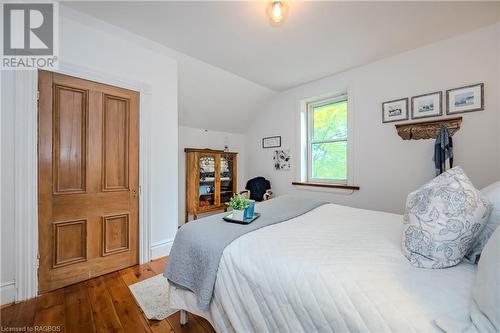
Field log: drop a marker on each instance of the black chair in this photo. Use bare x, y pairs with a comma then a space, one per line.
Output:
258, 189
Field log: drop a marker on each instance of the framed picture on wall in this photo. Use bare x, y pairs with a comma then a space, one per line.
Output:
465, 99
395, 110
271, 142
427, 105
281, 159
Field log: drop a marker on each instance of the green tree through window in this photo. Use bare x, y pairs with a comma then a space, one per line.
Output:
328, 140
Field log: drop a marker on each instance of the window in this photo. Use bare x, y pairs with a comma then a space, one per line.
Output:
327, 146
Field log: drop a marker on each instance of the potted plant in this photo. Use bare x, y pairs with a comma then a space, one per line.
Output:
238, 203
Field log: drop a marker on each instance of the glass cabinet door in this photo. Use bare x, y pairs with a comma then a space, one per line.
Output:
226, 178
207, 181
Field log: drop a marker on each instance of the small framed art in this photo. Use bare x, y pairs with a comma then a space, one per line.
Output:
281, 159
465, 99
395, 110
271, 142
427, 105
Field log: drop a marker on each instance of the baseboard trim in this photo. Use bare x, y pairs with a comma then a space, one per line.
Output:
161, 248
7, 292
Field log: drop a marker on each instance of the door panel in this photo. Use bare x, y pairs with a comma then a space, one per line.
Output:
206, 181
115, 143
70, 139
88, 179
115, 234
70, 242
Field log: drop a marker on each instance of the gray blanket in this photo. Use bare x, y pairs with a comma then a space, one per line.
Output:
194, 259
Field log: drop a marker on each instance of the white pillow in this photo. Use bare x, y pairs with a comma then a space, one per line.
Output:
485, 307
492, 192
442, 220
457, 320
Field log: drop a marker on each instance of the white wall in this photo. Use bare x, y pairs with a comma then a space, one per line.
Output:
7, 260
190, 137
116, 53
384, 166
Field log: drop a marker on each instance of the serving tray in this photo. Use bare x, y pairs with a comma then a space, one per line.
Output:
229, 218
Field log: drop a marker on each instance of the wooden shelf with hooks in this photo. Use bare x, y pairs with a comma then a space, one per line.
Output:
428, 129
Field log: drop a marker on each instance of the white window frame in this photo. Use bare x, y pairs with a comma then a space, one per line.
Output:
310, 130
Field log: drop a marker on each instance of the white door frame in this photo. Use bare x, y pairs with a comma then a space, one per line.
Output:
26, 175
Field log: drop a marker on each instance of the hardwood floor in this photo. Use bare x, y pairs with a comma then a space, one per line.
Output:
102, 304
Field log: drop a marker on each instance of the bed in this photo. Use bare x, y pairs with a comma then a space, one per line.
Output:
333, 269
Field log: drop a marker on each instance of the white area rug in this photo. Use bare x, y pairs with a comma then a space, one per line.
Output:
152, 296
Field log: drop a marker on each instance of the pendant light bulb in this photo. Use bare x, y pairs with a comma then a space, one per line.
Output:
277, 11
277, 16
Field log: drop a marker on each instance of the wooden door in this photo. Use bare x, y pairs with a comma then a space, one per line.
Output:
88, 183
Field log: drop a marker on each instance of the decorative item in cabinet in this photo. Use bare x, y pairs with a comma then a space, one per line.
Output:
210, 180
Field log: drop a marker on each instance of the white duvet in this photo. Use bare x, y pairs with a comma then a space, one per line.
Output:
334, 269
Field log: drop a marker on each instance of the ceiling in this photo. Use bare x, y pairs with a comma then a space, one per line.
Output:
316, 40
211, 98
208, 96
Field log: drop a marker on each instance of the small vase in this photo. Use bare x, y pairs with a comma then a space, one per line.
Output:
250, 209
238, 214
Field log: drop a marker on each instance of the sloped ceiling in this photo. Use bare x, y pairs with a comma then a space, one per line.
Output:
211, 98
232, 60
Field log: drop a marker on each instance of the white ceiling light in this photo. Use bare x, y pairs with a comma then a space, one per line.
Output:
277, 11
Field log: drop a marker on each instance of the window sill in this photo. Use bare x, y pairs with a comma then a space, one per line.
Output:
345, 187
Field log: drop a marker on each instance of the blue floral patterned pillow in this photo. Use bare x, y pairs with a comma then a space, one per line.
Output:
442, 220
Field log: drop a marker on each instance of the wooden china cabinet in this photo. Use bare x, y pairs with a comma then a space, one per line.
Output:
210, 180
